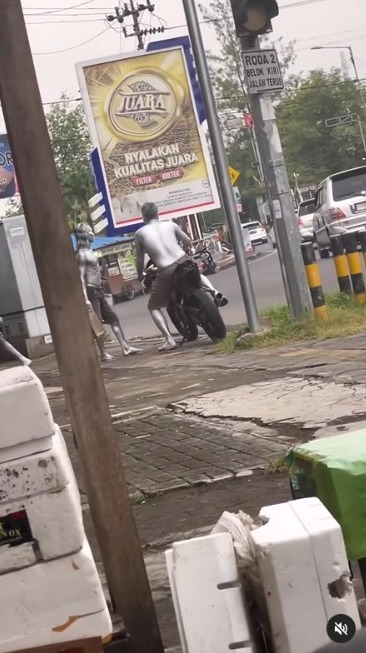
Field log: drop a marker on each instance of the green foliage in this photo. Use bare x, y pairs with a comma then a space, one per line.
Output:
227, 74
311, 149
13, 208
71, 147
346, 317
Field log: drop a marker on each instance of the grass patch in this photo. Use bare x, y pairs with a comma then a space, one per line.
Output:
346, 318
277, 466
138, 499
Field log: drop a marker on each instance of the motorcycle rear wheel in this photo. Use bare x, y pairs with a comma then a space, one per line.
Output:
209, 315
186, 327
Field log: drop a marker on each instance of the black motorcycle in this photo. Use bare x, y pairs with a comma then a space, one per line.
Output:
191, 306
205, 260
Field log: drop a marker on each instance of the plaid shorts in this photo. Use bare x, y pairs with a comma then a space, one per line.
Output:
163, 286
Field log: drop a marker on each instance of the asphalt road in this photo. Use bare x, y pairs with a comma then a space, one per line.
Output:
267, 281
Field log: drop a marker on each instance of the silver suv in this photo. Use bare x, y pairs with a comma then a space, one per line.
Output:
340, 207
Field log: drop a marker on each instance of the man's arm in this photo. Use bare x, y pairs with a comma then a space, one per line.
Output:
182, 237
81, 263
140, 257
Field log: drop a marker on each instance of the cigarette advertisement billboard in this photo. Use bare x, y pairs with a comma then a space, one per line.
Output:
142, 118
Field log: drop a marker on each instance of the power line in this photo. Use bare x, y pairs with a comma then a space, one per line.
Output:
67, 22
229, 97
73, 47
55, 11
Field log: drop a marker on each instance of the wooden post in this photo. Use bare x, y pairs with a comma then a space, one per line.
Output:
70, 327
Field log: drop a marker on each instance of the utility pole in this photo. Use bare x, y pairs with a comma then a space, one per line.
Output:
134, 12
219, 153
136, 25
279, 192
81, 375
354, 66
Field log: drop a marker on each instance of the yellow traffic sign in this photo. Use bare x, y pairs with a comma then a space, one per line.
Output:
234, 175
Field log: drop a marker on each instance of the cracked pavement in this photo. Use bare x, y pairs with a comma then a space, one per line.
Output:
195, 416
307, 402
196, 428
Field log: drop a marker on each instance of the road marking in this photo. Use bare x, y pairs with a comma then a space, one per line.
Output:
263, 257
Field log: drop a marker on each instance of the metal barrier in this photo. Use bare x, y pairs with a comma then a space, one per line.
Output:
362, 236
341, 264
314, 281
355, 267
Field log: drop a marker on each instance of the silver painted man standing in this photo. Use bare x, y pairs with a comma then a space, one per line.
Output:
163, 242
92, 283
8, 351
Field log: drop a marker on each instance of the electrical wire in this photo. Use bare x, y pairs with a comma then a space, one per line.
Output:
63, 9
67, 22
288, 99
56, 11
73, 47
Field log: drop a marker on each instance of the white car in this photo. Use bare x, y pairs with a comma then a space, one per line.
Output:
257, 233
340, 207
305, 216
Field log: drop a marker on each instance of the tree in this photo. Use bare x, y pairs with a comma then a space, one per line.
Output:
71, 147
13, 208
227, 74
312, 150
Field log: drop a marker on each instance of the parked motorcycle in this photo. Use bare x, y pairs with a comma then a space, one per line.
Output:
191, 306
205, 260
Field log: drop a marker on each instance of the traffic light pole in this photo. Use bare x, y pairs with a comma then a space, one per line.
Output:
279, 193
219, 152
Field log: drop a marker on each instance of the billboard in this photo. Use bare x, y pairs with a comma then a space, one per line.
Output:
142, 118
8, 185
185, 42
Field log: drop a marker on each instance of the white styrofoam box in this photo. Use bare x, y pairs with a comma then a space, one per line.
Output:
169, 558
25, 449
290, 581
24, 409
289, 559
47, 471
57, 527
53, 602
44, 486
330, 557
207, 595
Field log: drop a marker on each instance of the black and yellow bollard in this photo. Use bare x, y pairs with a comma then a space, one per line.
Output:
341, 264
314, 281
362, 236
355, 267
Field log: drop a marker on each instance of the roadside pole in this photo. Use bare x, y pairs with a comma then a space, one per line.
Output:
76, 355
279, 192
219, 152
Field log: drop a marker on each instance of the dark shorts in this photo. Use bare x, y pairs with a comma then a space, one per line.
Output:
163, 286
101, 307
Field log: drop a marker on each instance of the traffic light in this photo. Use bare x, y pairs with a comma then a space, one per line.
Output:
253, 17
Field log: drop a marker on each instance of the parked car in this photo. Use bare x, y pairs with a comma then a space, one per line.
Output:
304, 220
340, 207
257, 233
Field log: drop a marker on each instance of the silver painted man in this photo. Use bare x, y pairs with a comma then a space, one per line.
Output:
92, 283
163, 242
8, 351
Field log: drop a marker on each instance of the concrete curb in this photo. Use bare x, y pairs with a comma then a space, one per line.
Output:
230, 260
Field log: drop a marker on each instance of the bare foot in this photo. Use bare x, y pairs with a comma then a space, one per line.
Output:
130, 351
107, 357
168, 345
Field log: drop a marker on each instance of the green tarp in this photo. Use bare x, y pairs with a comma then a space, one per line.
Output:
334, 470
